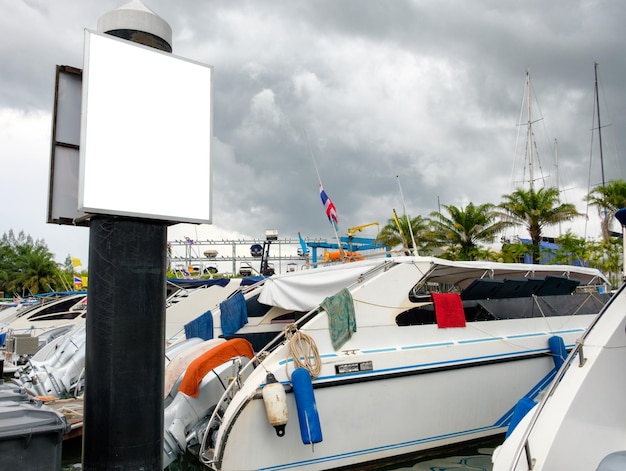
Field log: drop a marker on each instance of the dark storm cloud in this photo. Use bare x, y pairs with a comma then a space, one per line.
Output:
430, 92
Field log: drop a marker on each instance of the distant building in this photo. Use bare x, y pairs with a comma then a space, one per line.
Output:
547, 249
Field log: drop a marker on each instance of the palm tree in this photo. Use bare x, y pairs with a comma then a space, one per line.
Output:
396, 232
512, 251
464, 228
28, 264
37, 271
609, 199
536, 209
571, 249
6, 268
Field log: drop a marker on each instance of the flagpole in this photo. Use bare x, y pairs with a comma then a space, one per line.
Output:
308, 144
319, 179
408, 219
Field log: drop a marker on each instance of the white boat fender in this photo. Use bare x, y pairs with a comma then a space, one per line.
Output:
275, 400
308, 417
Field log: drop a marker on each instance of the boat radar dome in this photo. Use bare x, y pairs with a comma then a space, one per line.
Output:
136, 22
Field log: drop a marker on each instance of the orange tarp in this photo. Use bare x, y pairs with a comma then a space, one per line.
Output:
332, 256
211, 359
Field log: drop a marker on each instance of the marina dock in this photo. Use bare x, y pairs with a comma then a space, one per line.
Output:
72, 410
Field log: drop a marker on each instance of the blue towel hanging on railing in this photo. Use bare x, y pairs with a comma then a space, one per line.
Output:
233, 314
201, 326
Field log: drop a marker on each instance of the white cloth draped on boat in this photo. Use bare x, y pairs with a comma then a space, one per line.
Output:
306, 289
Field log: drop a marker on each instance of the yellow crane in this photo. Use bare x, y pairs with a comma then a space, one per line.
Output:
355, 229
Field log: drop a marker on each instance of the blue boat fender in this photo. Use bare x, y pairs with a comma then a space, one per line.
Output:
308, 417
275, 400
558, 350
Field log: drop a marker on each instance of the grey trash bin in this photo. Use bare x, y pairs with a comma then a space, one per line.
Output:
31, 436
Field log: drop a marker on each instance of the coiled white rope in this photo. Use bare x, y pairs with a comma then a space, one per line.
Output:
303, 351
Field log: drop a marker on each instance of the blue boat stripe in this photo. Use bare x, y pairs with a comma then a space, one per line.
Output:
380, 350
523, 336
570, 331
445, 344
393, 446
486, 339
511, 355
427, 345
325, 355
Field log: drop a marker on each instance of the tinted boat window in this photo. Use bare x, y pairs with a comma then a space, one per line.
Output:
60, 306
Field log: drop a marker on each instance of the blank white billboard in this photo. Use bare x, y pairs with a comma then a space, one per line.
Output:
146, 131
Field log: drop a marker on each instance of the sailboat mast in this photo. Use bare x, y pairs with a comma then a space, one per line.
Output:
556, 165
599, 124
558, 180
529, 140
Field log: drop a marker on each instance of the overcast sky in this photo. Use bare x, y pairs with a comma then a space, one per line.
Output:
423, 97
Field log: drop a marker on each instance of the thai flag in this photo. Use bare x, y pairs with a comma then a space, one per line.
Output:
78, 282
331, 211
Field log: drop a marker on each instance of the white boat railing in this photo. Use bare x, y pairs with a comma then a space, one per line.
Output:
207, 455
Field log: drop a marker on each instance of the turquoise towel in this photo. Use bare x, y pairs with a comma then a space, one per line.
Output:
341, 319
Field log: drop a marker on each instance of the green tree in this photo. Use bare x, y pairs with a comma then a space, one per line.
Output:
396, 233
608, 199
26, 265
464, 228
536, 209
513, 252
6, 266
571, 249
607, 257
68, 266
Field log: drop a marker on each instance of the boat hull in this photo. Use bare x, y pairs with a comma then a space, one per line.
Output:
420, 396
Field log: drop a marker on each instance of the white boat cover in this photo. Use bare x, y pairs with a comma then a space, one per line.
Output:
462, 274
304, 290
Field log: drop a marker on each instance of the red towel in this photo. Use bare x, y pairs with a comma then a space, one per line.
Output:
448, 310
